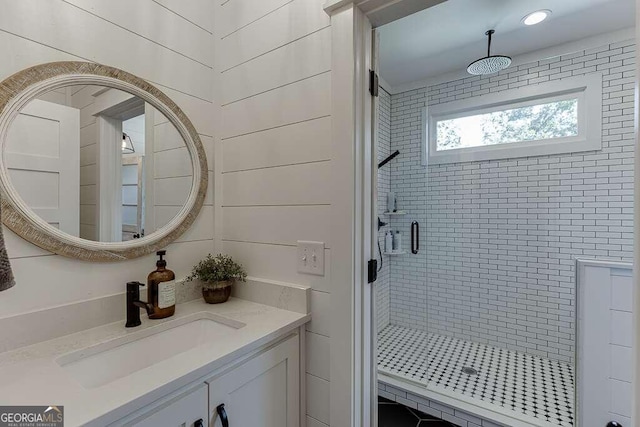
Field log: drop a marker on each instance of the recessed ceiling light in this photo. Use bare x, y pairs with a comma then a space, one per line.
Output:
536, 17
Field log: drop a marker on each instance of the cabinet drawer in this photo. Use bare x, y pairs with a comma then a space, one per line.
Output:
264, 391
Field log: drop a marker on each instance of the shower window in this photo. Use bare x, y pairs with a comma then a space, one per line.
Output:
558, 119
547, 118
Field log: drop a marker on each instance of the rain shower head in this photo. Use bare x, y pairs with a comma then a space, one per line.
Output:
489, 64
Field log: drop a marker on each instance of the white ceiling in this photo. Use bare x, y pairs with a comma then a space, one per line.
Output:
449, 36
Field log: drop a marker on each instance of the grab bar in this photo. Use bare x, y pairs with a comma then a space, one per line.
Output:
415, 237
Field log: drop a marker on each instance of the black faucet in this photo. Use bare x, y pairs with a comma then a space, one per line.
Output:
134, 305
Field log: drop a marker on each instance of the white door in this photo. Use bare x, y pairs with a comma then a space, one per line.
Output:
43, 160
265, 391
132, 175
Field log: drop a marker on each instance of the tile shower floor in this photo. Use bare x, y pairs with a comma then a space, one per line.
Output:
517, 382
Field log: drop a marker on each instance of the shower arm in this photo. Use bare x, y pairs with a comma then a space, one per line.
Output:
388, 159
489, 33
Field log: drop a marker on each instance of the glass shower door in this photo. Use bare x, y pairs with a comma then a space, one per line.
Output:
403, 341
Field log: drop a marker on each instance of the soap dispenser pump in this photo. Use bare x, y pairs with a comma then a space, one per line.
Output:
161, 289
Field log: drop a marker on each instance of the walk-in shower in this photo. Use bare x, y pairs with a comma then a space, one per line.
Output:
484, 313
507, 181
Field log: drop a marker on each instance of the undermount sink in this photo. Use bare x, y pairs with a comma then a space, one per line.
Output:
106, 362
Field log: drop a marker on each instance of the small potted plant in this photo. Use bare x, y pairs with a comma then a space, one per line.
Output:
217, 275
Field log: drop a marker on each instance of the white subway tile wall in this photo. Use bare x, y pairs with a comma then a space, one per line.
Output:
500, 236
384, 181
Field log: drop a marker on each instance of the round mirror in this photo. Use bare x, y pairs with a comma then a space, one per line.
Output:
96, 163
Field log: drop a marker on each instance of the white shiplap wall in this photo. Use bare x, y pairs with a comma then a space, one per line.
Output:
172, 48
274, 66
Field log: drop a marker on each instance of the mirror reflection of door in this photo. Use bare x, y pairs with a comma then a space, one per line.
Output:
98, 163
120, 118
133, 194
42, 155
132, 198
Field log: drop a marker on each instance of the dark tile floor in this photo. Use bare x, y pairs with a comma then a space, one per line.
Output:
392, 414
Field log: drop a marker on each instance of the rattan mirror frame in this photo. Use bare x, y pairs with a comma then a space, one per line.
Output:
20, 88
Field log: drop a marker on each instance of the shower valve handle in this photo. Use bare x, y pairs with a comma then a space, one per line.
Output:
415, 237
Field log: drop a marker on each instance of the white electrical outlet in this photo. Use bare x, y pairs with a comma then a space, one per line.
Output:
311, 257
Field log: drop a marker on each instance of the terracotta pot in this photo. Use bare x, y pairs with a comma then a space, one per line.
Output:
217, 292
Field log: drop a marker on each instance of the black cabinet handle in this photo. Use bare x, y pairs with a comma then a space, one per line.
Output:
614, 424
223, 415
415, 237
199, 423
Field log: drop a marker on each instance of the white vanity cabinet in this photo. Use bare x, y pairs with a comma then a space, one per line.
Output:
262, 392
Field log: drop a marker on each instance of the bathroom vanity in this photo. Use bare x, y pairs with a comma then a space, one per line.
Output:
143, 184
240, 360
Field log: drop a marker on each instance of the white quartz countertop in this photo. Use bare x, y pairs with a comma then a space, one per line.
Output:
33, 375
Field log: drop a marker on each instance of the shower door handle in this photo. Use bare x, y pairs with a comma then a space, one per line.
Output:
415, 237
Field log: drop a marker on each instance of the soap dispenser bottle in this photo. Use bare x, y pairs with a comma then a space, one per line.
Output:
161, 289
397, 241
388, 242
